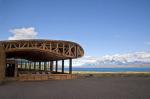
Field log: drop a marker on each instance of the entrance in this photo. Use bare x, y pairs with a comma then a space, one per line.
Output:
10, 70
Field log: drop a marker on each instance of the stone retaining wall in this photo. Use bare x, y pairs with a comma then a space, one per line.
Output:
2, 63
39, 77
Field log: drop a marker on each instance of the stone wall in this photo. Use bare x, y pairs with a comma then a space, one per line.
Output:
39, 77
2, 63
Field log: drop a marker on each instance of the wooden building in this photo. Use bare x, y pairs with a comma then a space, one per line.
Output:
37, 59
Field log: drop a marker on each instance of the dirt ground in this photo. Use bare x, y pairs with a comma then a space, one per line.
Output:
87, 88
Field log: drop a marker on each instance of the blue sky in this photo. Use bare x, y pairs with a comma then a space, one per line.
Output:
100, 26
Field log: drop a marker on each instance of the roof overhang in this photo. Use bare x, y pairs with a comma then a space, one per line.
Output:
42, 50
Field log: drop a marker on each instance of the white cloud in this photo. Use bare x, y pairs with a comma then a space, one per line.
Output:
143, 57
23, 33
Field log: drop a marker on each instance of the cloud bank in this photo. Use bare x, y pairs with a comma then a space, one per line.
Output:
23, 33
136, 58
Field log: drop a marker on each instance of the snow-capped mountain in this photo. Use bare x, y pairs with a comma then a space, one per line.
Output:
130, 59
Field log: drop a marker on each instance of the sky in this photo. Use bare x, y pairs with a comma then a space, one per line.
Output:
101, 27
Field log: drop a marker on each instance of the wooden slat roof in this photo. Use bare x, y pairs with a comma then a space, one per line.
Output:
42, 50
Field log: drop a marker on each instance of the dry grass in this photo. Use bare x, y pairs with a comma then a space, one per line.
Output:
112, 74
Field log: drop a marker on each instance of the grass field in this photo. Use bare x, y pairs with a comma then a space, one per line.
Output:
113, 74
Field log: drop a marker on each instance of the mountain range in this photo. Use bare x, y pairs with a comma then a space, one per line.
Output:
137, 59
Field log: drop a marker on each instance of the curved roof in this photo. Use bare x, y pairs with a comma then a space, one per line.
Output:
42, 50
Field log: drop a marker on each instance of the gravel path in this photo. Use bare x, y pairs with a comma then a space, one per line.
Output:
89, 88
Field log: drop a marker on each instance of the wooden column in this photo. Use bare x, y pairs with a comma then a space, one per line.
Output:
56, 68
45, 66
39, 65
21, 63
30, 63
16, 69
2, 63
34, 65
25, 65
51, 66
62, 66
48, 67
70, 66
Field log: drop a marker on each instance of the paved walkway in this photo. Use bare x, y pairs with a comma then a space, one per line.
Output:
90, 88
